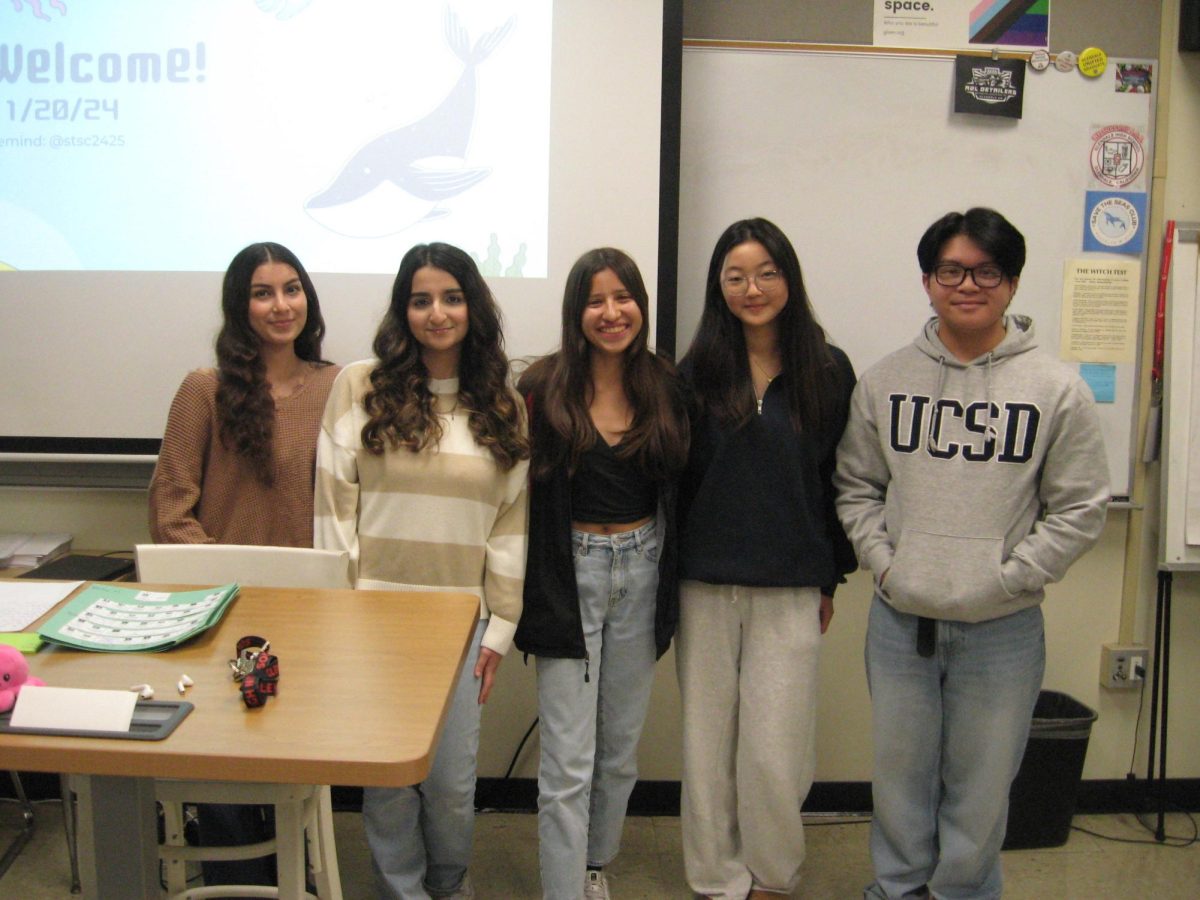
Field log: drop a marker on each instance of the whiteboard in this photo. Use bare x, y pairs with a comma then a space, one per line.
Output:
855, 154
1178, 541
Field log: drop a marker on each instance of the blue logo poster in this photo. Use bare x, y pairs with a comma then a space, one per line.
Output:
1114, 222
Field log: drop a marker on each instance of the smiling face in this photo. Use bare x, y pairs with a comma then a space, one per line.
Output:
437, 317
278, 306
970, 317
611, 317
753, 287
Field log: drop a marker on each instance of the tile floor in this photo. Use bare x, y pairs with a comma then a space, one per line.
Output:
650, 865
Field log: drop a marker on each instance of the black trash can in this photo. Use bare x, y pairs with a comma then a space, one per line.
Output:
1042, 799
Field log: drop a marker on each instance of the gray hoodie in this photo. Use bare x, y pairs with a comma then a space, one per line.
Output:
971, 485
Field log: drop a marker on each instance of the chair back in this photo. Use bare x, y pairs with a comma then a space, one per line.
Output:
286, 567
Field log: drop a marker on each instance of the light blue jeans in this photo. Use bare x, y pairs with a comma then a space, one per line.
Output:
420, 836
950, 731
592, 710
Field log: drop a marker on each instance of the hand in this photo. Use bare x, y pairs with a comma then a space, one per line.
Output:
826, 612
485, 671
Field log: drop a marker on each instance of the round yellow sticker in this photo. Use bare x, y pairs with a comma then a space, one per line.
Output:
1092, 62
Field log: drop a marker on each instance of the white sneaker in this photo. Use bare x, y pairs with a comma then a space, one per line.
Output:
595, 886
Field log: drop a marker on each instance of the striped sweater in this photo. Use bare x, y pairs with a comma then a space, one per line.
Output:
446, 518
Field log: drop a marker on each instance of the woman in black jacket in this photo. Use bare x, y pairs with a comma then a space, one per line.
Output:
609, 437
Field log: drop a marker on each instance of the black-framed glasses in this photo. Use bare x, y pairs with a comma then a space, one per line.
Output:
737, 284
988, 275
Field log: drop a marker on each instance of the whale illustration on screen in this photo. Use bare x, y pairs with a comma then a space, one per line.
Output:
401, 177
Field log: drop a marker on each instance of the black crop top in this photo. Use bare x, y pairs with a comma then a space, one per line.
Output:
607, 489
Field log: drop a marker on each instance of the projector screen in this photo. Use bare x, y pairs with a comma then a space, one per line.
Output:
142, 150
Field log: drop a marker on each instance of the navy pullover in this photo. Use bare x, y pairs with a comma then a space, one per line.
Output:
757, 503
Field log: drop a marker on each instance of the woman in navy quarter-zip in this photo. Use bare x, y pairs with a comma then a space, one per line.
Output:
761, 552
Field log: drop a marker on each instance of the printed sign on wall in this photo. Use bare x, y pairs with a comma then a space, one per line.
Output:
989, 87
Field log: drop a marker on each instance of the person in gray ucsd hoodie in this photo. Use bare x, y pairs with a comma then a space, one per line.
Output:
971, 474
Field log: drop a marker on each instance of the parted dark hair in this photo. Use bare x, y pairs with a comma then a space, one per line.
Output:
561, 384
245, 409
991, 232
719, 362
400, 405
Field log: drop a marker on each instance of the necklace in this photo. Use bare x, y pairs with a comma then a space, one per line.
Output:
758, 398
292, 385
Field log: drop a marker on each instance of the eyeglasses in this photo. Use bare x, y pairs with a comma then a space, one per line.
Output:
988, 275
766, 281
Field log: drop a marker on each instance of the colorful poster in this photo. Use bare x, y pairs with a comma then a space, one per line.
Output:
1134, 77
959, 24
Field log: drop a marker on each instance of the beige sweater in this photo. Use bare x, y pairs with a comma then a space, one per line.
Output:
204, 493
446, 518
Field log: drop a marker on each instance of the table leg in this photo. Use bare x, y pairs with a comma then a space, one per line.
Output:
118, 841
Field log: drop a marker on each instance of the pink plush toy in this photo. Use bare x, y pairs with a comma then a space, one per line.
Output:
14, 674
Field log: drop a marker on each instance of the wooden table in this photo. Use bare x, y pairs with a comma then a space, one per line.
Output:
365, 679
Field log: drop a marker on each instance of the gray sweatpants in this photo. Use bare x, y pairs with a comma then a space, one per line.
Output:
747, 664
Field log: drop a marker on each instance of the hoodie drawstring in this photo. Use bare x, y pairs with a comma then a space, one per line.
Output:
935, 414
991, 433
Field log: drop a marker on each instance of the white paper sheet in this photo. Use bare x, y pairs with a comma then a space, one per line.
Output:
24, 602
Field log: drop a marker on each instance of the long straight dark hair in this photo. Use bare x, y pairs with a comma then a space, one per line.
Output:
400, 405
245, 409
718, 359
561, 384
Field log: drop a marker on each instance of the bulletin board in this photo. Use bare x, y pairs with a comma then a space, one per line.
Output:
854, 152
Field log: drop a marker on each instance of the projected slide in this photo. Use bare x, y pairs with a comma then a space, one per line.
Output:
156, 136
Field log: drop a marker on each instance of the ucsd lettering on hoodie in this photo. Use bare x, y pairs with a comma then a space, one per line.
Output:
970, 486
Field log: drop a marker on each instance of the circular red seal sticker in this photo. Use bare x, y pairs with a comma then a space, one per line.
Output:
1118, 155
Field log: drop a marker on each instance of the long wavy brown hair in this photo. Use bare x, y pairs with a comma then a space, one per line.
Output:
245, 409
561, 384
400, 405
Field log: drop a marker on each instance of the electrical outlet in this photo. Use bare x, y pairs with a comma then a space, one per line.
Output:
1123, 665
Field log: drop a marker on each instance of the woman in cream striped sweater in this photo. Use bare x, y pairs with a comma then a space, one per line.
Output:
421, 470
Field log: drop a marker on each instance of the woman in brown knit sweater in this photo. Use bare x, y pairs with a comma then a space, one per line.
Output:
238, 456
238, 460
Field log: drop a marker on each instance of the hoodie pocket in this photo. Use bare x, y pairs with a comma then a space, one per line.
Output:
945, 573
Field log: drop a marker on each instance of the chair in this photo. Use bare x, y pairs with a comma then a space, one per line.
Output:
27, 822
303, 813
259, 566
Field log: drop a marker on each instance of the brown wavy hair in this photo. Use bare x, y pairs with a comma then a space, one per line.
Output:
560, 385
400, 406
245, 409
